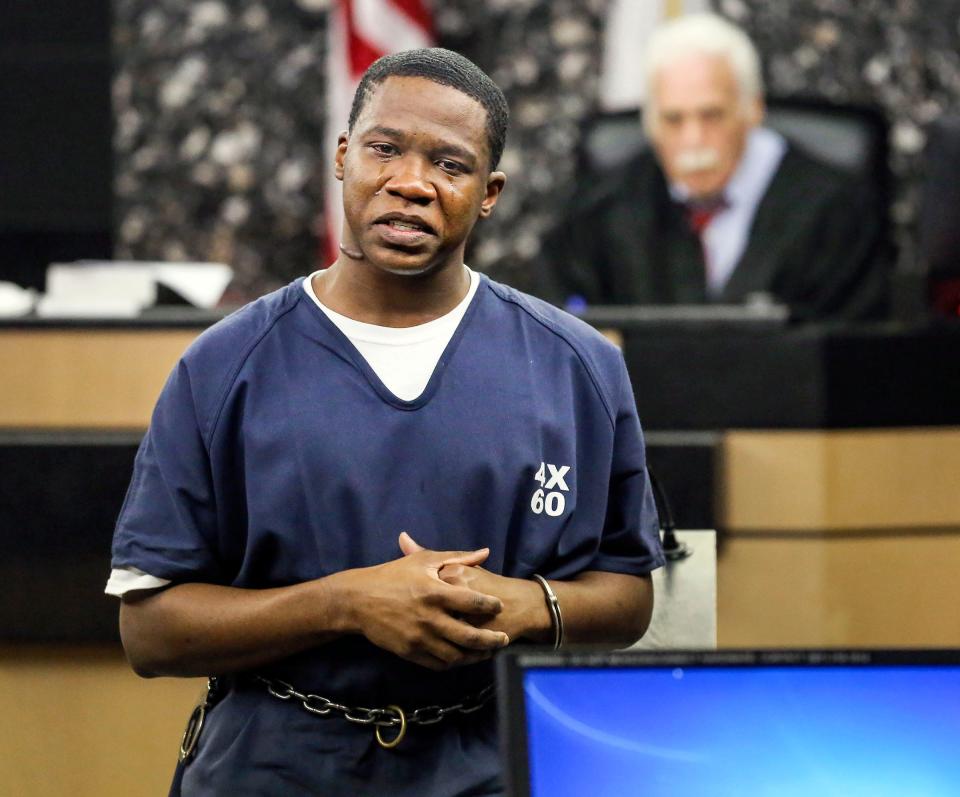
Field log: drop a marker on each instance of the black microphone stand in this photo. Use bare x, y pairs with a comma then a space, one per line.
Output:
673, 549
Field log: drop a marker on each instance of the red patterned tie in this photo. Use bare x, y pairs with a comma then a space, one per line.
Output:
699, 213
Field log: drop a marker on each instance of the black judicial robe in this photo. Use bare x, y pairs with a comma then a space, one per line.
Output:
816, 244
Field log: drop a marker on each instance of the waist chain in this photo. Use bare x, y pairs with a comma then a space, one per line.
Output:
391, 716
388, 717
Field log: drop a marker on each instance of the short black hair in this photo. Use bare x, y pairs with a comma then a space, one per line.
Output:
448, 69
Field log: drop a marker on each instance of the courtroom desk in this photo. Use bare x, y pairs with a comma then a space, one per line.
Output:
59, 499
708, 376
90, 374
835, 477
827, 457
60, 495
840, 537
77, 722
726, 375
75, 399
819, 530
754, 429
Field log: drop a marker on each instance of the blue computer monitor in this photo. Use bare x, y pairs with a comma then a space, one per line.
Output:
783, 724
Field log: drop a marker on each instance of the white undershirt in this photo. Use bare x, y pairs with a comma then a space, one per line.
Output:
403, 359
127, 579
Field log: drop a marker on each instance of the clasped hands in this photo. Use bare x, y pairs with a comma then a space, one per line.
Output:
440, 609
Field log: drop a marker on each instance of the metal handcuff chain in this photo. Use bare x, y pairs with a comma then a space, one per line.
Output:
191, 735
380, 718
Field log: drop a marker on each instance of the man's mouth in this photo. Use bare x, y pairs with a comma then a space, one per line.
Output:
396, 228
405, 223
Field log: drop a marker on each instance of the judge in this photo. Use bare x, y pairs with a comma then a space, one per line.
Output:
720, 207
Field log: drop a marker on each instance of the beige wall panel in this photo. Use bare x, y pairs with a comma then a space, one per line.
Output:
890, 477
768, 478
858, 590
85, 378
79, 723
814, 480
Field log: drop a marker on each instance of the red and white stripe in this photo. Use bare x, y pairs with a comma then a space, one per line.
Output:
360, 32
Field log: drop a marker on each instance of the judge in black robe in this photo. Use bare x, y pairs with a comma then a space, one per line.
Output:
813, 241
816, 244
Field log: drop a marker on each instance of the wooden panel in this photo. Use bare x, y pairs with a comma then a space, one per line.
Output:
78, 722
881, 589
815, 480
85, 378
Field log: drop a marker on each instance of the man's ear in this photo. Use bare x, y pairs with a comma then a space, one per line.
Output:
495, 183
342, 140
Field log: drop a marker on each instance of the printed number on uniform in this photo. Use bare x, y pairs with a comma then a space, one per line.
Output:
549, 497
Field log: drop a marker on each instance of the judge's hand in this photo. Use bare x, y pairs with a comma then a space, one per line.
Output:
524, 611
405, 607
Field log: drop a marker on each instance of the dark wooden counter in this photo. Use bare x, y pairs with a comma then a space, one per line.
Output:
816, 445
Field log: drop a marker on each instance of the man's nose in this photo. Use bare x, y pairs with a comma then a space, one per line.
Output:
410, 180
692, 132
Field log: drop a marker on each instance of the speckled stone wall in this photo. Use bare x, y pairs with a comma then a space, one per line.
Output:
219, 111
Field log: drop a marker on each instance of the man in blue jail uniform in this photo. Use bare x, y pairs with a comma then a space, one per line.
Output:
358, 488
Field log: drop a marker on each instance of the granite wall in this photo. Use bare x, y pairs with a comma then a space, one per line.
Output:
219, 111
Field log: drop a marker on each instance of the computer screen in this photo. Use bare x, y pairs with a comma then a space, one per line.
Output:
870, 725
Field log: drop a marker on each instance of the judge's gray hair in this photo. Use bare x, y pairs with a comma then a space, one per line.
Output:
705, 34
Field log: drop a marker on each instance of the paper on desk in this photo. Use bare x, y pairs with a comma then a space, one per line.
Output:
85, 307
201, 284
122, 289
15, 301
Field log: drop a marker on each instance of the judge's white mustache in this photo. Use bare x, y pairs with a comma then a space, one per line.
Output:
690, 161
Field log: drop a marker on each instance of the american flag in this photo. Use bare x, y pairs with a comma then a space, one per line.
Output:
629, 24
360, 32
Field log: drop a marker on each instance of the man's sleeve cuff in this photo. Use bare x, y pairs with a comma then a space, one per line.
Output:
127, 579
